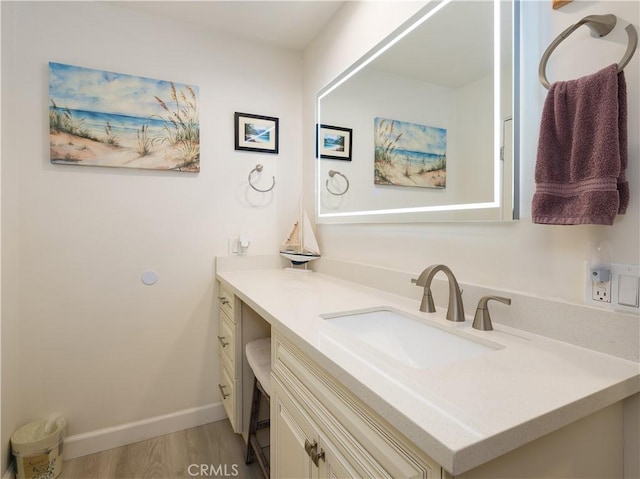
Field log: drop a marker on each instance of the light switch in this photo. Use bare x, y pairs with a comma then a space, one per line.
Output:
628, 290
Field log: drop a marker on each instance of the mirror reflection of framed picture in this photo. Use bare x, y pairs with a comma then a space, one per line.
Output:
256, 133
334, 142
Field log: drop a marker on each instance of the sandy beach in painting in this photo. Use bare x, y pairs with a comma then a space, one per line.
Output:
394, 174
68, 149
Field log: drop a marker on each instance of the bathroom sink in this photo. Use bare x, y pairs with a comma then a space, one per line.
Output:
409, 340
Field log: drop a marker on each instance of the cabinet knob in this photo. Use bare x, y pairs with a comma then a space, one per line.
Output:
224, 395
316, 456
310, 448
223, 300
222, 341
312, 452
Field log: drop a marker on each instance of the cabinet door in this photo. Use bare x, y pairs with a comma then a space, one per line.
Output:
291, 431
357, 443
332, 464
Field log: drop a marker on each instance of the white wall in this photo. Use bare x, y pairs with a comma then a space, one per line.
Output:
547, 261
81, 334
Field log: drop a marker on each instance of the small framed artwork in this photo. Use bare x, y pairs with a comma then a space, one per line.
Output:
334, 142
256, 133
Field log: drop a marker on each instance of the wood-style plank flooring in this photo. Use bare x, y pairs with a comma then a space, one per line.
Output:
211, 450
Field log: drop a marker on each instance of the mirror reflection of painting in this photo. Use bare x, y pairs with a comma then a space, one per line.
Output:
409, 154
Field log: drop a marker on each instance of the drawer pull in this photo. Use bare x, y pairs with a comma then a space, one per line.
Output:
224, 395
222, 341
310, 448
223, 300
316, 456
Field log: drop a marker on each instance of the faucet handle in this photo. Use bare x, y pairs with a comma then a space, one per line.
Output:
482, 318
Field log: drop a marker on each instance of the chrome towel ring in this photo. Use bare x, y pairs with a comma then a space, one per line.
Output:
600, 25
332, 173
259, 169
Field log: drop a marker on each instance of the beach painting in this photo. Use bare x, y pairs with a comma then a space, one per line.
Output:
409, 154
101, 118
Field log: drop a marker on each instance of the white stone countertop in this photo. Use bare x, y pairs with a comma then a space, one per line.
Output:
462, 414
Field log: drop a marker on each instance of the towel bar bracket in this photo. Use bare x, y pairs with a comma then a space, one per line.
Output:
600, 25
259, 169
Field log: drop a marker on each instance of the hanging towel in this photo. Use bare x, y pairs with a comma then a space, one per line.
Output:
582, 151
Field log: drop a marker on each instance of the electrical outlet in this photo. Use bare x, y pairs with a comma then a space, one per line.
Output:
601, 291
619, 292
237, 247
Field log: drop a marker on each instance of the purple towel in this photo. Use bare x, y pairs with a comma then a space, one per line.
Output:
582, 151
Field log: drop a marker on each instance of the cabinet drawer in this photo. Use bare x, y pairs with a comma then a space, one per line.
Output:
367, 441
227, 341
227, 302
228, 391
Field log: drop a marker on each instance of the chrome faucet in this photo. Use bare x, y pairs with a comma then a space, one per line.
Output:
455, 310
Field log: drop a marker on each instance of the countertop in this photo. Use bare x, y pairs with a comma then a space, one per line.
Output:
462, 414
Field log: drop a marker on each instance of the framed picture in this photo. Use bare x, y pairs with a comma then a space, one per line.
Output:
334, 142
256, 133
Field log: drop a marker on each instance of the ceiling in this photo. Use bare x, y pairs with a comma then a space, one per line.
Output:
285, 24
452, 48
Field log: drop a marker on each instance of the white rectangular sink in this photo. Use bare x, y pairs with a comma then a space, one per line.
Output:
410, 341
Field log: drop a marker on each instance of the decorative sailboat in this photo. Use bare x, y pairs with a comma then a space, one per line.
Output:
301, 245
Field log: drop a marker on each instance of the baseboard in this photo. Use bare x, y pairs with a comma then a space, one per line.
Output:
108, 438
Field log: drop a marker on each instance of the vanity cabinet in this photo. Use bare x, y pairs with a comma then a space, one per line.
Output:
320, 430
574, 423
230, 356
302, 452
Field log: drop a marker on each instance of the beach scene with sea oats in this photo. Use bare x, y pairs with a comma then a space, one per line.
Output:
101, 118
409, 154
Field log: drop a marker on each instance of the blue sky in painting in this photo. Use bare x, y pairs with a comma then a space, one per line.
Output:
417, 137
81, 88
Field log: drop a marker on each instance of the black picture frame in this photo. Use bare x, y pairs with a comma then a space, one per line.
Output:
334, 142
256, 133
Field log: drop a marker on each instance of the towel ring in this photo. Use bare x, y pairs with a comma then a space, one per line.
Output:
259, 169
600, 25
332, 173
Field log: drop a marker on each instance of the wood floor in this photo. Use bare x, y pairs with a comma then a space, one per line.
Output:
211, 450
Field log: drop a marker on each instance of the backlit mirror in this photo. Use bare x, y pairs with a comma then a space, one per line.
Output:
422, 128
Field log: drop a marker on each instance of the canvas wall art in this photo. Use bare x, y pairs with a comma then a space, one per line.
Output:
101, 118
409, 154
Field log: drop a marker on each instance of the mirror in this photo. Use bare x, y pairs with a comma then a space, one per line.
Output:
422, 127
